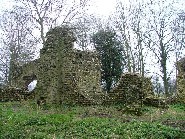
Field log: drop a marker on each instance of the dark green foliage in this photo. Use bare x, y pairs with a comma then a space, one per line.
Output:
109, 50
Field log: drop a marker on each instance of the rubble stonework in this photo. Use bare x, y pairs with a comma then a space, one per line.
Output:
67, 75
27, 74
64, 74
181, 80
131, 89
14, 94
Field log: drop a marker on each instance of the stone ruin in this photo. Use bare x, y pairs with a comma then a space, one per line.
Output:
67, 75
64, 74
131, 90
181, 80
11, 94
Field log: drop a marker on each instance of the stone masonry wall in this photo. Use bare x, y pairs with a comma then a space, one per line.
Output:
131, 90
27, 74
67, 75
64, 74
181, 80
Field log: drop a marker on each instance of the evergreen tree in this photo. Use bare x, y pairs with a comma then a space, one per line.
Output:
108, 48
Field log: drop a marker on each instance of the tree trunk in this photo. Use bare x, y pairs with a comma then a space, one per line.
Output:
163, 66
42, 31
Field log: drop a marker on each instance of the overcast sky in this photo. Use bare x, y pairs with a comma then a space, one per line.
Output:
5, 4
101, 7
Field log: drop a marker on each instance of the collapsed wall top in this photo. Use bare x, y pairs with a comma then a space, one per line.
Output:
62, 34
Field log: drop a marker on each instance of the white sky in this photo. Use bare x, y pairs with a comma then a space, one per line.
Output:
103, 7
5, 4
100, 7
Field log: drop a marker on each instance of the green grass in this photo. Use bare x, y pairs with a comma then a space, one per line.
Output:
178, 107
25, 121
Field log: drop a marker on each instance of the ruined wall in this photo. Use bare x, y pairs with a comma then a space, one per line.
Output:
67, 75
86, 75
131, 90
27, 74
10, 94
15, 94
181, 80
47, 75
64, 75
80, 76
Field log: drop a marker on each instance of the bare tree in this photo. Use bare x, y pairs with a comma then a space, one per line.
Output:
85, 27
19, 43
130, 27
49, 13
178, 30
4, 66
137, 28
160, 39
82, 31
122, 27
145, 31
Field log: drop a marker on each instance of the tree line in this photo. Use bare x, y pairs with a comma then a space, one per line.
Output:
145, 37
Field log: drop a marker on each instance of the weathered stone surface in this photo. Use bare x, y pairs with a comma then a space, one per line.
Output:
67, 75
64, 74
181, 80
131, 90
27, 74
156, 102
14, 94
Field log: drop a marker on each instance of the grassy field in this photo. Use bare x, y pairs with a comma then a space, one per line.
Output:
25, 121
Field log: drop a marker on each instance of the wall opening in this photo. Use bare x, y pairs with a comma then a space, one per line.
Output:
30, 82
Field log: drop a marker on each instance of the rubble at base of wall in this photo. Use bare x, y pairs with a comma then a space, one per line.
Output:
156, 102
